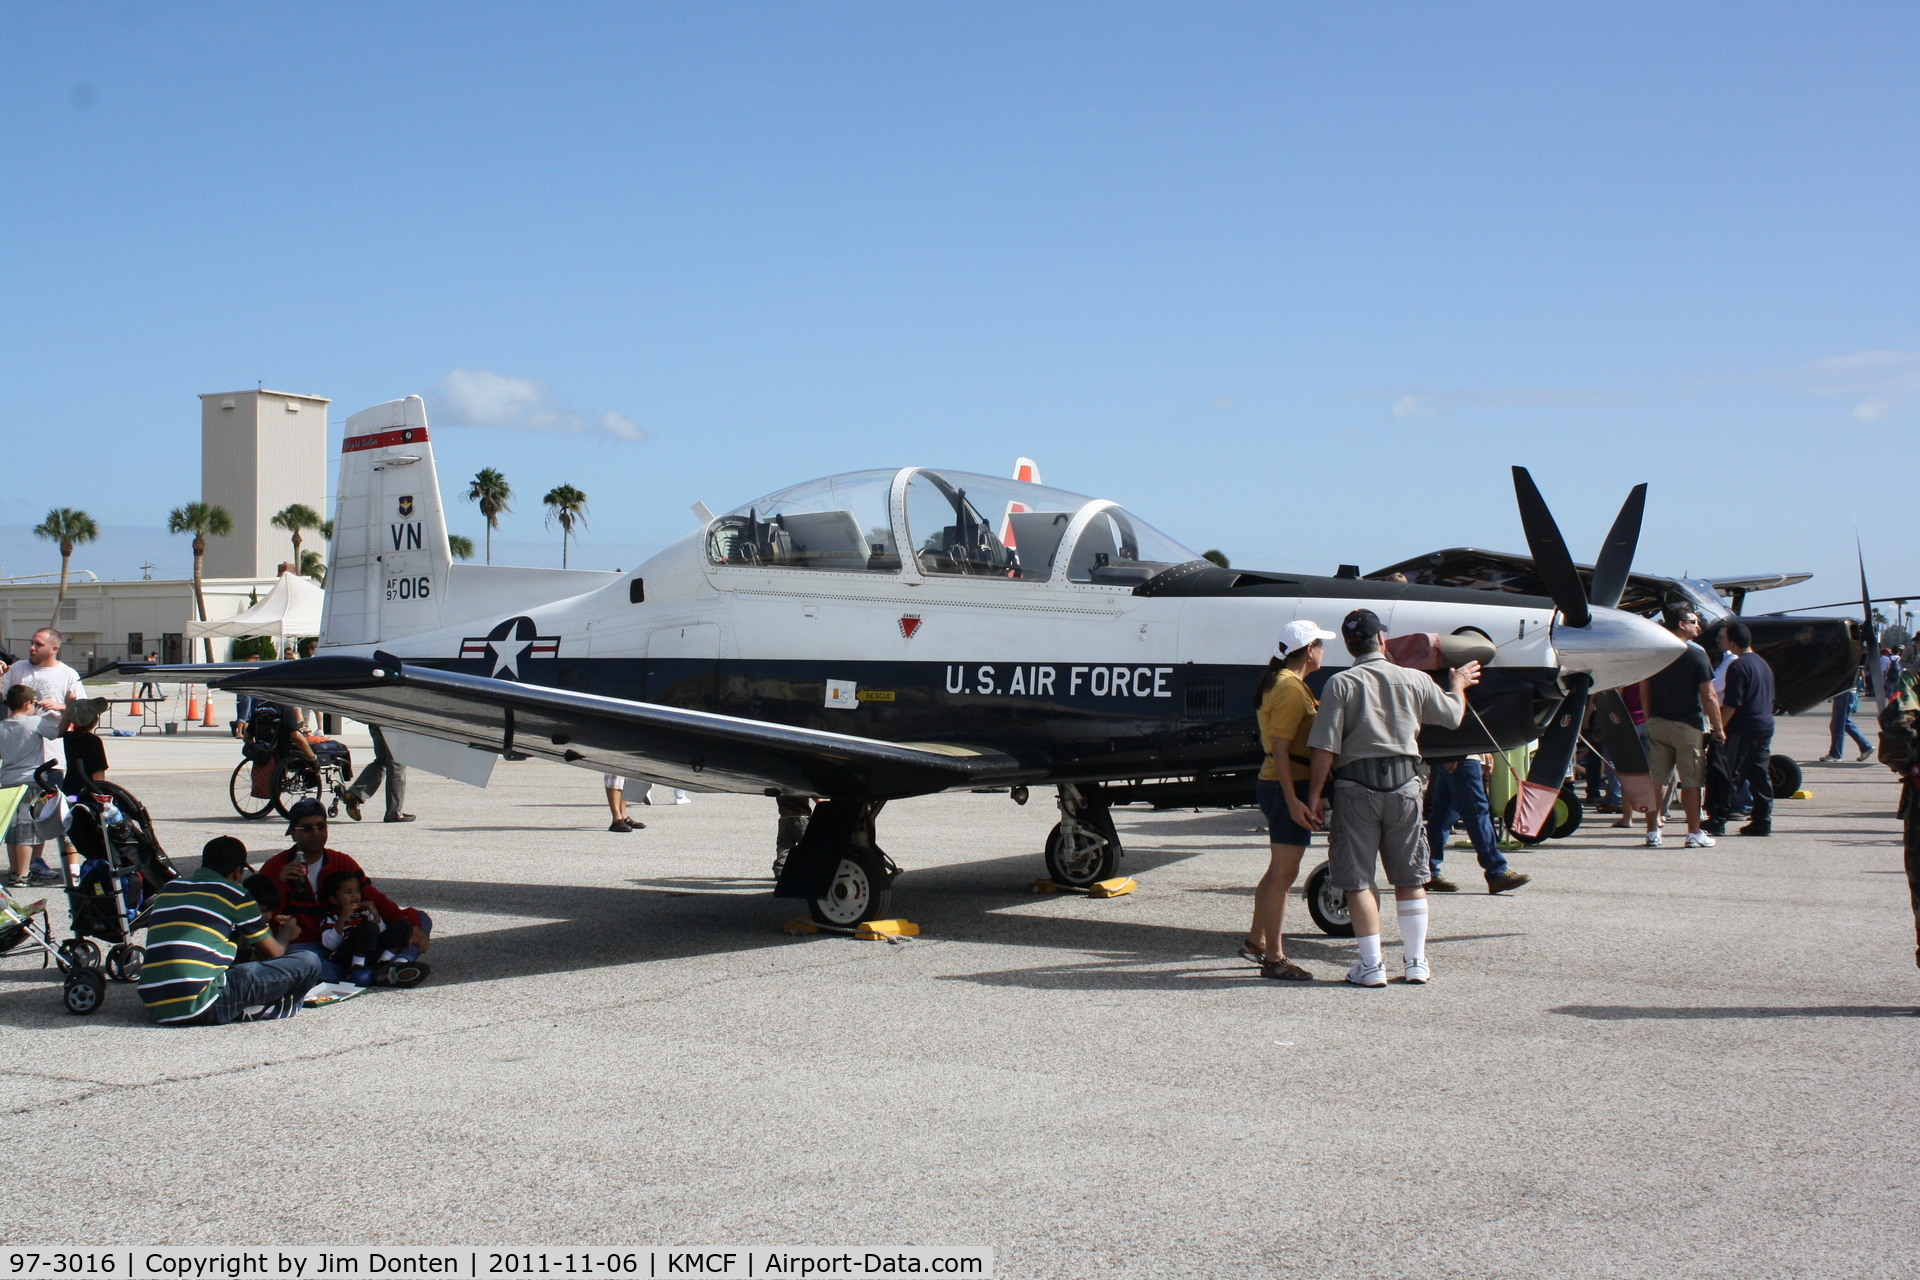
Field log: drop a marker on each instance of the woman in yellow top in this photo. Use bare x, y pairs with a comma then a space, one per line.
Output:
1286, 709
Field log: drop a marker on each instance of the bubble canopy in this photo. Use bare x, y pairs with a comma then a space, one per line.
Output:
950, 524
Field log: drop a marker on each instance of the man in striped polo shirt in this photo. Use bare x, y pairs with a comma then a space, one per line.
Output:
197, 925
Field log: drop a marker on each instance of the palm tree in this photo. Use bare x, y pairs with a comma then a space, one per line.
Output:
295, 519
491, 490
1218, 557
460, 545
567, 506
200, 520
70, 528
312, 566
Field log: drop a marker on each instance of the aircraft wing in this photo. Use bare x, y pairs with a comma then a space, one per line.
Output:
1757, 582
635, 739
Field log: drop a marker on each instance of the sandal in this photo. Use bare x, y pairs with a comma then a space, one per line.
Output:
1251, 953
1285, 970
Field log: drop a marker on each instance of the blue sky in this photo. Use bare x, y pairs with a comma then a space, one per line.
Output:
1298, 281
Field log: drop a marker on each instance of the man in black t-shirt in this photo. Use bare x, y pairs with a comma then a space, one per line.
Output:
1747, 715
1681, 707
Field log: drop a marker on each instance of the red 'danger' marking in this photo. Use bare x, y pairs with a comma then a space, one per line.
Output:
909, 623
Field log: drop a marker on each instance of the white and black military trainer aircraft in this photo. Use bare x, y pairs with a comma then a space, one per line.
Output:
885, 634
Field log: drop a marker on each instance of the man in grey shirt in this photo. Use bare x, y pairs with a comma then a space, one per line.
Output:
1366, 738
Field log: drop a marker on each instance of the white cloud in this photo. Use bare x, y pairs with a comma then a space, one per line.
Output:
1872, 410
482, 398
1428, 403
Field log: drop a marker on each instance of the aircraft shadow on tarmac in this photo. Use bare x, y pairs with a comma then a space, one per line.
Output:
1710, 1013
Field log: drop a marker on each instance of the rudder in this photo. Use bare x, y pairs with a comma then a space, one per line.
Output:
391, 562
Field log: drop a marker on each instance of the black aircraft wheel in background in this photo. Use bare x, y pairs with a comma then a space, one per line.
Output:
1567, 812
861, 890
291, 784
240, 791
1785, 772
1326, 904
1093, 856
1569, 804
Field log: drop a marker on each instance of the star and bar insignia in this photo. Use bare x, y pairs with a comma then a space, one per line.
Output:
507, 645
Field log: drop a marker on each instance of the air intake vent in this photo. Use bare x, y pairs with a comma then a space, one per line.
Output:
1206, 699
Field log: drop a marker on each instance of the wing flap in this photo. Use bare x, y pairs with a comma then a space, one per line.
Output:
614, 735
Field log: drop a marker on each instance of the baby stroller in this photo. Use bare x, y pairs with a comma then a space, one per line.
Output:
273, 774
122, 866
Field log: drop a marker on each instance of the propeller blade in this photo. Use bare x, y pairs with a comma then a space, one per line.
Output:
1552, 760
1550, 554
1616, 554
1620, 743
1875, 680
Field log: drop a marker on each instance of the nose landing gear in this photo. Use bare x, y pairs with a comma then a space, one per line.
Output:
1083, 848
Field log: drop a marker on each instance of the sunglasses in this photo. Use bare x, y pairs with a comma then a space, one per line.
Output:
311, 826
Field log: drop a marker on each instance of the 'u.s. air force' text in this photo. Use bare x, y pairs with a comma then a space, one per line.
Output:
1023, 679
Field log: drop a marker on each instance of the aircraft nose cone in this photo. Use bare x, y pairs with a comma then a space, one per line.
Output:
1616, 648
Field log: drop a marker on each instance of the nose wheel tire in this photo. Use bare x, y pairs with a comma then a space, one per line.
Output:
1326, 904
1090, 857
1784, 773
861, 890
240, 791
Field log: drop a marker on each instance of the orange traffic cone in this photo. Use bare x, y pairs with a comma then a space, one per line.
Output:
134, 708
206, 711
193, 705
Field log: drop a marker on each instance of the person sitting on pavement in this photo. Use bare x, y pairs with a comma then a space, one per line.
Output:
302, 869
195, 928
353, 933
1460, 791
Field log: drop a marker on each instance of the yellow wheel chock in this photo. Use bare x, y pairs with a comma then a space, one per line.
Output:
867, 931
1113, 888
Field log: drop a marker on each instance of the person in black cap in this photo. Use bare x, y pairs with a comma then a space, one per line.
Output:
196, 927
1366, 740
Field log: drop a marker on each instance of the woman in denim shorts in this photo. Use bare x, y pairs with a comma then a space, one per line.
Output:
1285, 708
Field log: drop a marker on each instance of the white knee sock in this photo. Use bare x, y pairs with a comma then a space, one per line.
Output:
1369, 950
1413, 929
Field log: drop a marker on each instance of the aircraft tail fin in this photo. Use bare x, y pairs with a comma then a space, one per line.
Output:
391, 564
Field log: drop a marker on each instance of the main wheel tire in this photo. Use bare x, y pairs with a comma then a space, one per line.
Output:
240, 791
292, 784
1093, 860
1569, 805
1785, 774
862, 889
1326, 904
124, 961
84, 991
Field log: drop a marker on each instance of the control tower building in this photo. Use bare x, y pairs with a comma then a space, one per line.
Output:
260, 452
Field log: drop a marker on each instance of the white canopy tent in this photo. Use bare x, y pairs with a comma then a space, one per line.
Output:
292, 608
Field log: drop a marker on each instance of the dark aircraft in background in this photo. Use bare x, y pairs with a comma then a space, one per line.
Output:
1812, 658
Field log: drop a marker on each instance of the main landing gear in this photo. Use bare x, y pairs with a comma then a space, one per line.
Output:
1083, 848
845, 878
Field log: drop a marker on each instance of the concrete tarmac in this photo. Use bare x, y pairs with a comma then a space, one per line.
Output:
1645, 1063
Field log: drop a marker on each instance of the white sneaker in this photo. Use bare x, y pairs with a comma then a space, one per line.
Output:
1416, 971
1699, 840
681, 797
1653, 838
1367, 975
